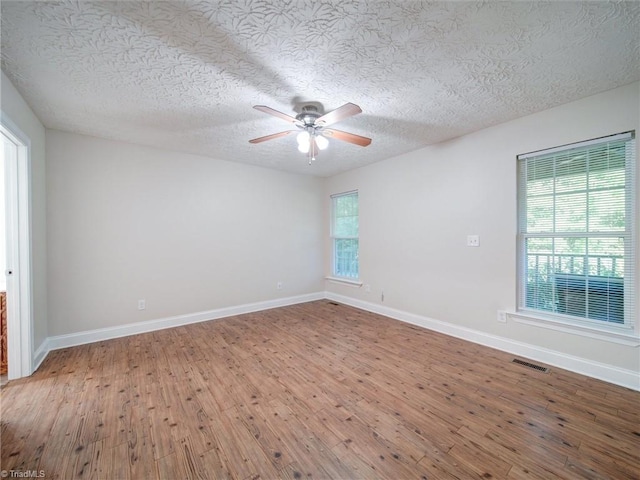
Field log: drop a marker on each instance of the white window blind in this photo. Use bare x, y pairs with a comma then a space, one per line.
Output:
576, 232
345, 232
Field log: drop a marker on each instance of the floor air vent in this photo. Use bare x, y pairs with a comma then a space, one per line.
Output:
531, 365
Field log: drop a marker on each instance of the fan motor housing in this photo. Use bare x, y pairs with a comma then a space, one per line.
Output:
308, 115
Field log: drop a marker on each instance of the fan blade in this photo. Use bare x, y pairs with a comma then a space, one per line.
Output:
270, 137
345, 111
347, 137
275, 113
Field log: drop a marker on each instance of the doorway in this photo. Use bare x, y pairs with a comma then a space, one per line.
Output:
16, 271
4, 360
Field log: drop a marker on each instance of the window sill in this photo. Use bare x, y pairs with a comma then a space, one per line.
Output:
621, 335
347, 281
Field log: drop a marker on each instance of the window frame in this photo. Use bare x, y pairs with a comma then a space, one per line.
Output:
620, 332
334, 238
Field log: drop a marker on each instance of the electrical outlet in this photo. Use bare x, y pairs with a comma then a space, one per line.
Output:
279, 286
367, 288
142, 304
502, 316
473, 240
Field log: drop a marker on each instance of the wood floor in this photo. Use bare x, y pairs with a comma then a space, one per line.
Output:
312, 391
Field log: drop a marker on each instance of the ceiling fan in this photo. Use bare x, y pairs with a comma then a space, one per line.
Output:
313, 128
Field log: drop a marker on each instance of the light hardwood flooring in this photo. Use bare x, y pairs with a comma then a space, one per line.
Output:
315, 390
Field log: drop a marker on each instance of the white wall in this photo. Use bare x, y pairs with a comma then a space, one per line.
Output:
21, 115
184, 232
417, 209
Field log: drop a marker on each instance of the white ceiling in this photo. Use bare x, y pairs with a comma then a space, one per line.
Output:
184, 75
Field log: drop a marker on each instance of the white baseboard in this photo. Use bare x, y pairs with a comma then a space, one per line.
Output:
40, 354
618, 376
91, 336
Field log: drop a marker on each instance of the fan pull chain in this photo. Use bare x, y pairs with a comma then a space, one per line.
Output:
312, 150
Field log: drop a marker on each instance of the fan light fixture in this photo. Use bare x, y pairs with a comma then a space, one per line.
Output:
304, 141
314, 128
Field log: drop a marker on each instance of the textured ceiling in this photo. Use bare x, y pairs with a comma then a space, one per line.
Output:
183, 75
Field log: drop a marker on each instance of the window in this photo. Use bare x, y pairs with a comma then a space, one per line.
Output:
575, 242
344, 233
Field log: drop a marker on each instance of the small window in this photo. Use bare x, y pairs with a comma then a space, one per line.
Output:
575, 243
344, 234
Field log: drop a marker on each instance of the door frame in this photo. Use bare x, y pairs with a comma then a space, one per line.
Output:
18, 233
